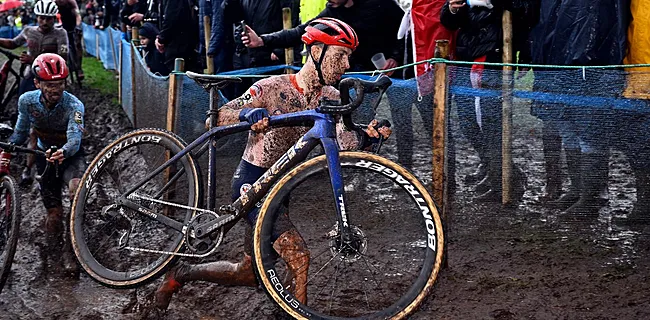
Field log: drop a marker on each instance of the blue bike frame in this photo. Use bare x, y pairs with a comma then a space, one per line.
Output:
323, 131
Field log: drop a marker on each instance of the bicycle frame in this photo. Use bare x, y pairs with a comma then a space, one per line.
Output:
5, 70
323, 131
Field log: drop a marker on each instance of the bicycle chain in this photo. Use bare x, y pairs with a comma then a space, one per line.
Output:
191, 255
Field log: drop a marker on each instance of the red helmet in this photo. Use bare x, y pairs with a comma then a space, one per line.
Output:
330, 31
50, 66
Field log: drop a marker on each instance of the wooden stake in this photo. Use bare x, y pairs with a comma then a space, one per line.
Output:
286, 24
133, 87
175, 82
440, 134
506, 144
135, 36
440, 124
207, 31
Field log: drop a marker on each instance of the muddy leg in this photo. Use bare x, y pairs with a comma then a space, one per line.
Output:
69, 260
293, 250
53, 227
221, 272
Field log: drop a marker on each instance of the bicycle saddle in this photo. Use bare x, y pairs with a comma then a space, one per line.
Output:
208, 81
5, 131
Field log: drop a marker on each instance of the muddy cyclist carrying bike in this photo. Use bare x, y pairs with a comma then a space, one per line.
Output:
329, 43
56, 118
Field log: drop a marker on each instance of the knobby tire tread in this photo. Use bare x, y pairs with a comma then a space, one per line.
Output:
77, 240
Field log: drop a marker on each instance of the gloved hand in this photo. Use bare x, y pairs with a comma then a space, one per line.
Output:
253, 115
374, 134
480, 3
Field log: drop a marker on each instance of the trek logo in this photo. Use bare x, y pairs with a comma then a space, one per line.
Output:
109, 154
277, 285
417, 196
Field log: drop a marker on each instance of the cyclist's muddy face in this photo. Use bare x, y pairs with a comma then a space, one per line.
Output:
337, 60
45, 23
52, 90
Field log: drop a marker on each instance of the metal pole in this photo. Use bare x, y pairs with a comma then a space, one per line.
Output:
97, 46
286, 24
506, 144
110, 38
119, 75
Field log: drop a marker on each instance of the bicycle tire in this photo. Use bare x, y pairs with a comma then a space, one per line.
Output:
96, 235
9, 225
398, 298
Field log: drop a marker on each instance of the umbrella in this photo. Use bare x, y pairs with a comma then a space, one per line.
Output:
10, 4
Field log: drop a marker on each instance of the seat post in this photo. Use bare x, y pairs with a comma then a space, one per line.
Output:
214, 106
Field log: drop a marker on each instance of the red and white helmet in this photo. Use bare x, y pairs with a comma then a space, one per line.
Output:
332, 32
50, 66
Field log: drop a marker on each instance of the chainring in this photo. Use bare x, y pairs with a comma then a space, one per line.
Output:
206, 245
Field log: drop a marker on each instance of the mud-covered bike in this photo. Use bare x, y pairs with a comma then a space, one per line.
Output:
9, 203
373, 232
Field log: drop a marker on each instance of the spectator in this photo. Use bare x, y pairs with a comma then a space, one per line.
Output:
220, 46
479, 39
262, 15
178, 37
135, 12
11, 18
375, 21
638, 86
26, 17
565, 37
18, 21
71, 23
89, 17
401, 98
154, 59
99, 20
112, 9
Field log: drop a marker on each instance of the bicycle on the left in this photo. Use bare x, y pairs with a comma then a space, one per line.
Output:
10, 79
9, 203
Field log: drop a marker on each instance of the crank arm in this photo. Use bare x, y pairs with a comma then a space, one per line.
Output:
205, 229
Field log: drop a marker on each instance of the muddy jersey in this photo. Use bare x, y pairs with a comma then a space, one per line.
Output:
279, 95
55, 41
61, 126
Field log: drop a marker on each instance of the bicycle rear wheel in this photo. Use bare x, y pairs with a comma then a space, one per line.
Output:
115, 245
9, 225
392, 260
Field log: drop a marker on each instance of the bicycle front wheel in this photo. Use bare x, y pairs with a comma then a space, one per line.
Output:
387, 267
115, 245
9, 225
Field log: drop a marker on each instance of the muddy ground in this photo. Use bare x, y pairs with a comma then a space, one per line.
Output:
503, 263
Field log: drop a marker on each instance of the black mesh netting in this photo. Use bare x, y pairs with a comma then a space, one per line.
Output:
579, 148
150, 98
